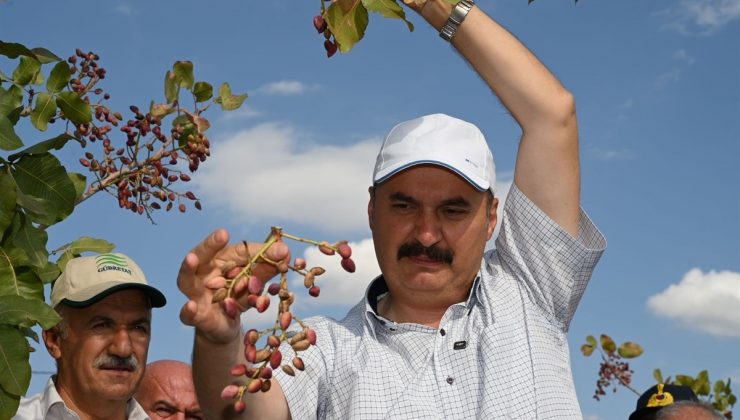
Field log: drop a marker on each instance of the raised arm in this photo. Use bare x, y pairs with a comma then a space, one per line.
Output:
547, 168
218, 338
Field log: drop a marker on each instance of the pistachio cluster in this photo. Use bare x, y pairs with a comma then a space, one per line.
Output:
143, 172
243, 291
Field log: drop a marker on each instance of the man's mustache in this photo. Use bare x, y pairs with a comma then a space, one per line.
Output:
435, 253
115, 362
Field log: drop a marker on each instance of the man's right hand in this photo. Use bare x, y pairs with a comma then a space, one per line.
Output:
201, 275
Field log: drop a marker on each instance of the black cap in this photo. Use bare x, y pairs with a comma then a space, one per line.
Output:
659, 396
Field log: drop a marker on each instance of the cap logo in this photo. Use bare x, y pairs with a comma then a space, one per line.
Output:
108, 262
660, 398
471, 162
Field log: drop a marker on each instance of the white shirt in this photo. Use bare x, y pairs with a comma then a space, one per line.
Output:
48, 405
501, 354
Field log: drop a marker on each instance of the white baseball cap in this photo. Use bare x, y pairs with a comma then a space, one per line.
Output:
86, 280
437, 139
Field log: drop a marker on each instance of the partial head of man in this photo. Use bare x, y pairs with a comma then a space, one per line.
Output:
167, 391
659, 397
432, 210
101, 344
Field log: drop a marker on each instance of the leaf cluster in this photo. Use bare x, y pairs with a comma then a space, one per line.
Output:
38, 191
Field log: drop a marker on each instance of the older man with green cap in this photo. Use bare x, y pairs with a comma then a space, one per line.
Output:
101, 344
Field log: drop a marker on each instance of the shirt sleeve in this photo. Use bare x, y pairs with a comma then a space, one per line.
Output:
552, 266
305, 390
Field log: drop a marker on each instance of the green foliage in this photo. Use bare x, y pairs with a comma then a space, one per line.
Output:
614, 371
37, 190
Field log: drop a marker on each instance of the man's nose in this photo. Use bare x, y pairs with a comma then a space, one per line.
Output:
121, 343
428, 228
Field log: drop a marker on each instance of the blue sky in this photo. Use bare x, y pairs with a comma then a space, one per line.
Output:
658, 95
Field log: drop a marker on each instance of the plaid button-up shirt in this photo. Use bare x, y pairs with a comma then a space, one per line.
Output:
502, 354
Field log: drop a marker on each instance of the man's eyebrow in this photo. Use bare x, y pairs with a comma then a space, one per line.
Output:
456, 201
399, 196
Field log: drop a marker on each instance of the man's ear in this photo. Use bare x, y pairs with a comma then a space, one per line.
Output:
370, 203
492, 217
52, 338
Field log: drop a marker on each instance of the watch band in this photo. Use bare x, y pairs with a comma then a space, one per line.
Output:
459, 12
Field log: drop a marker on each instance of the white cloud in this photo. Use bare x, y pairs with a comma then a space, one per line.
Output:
124, 9
706, 302
339, 287
613, 154
287, 87
683, 55
270, 174
669, 77
702, 17
242, 113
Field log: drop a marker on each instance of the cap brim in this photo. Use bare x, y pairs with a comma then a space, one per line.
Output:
382, 176
156, 298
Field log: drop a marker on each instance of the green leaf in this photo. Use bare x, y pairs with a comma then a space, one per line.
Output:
8, 404
591, 341
227, 100
161, 110
7, 201
16, 310
80, 183
171, 87
29, 333
39, 79
608, 344
27, 70
36, 208
54, 143
10, 99
32, 241
719, 386
15, 115
13, 50
685, 380
48, 273
658, 375
587, 350
16, 278
389, 9
59, 77
80, 245
347, 20
15, 371
702, 386
43, 111
630, 350
45, 56
74, 108
202, 91
184, 72
44, 179
8, 139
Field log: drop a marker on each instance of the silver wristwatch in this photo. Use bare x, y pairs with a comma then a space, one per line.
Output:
456, 18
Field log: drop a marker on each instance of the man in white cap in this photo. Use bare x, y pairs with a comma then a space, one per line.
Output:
447, 331
101, 344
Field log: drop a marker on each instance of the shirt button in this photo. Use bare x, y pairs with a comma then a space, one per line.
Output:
442, 332
450, 380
